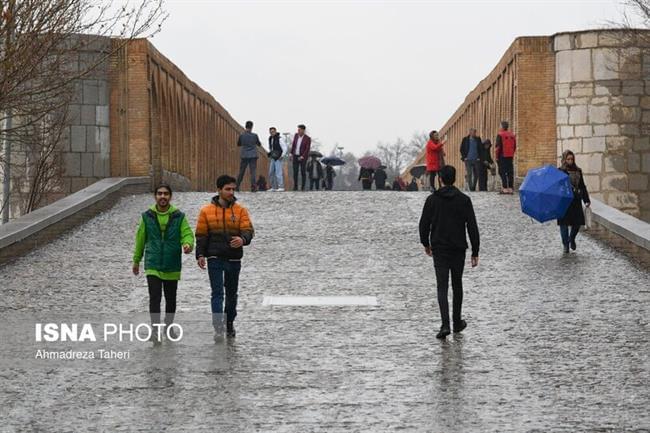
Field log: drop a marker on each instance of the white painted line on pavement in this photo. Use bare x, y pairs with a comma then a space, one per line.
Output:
320, 300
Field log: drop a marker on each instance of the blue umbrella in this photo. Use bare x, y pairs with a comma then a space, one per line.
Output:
546, 193
332, 160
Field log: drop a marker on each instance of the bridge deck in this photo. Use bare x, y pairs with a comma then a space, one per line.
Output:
553, 342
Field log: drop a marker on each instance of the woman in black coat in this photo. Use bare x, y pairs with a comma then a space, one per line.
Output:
574, 216
485, 156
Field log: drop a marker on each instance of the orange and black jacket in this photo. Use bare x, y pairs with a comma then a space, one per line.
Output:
216, 227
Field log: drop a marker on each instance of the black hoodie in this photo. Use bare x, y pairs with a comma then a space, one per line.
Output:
446, 214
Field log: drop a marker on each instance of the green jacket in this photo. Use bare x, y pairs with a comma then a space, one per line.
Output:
186, 238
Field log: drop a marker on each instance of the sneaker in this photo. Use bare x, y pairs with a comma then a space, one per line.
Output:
272, 190
154, 339
458, 327
443, 333
230, 330
280, 190
172, 334
573, 244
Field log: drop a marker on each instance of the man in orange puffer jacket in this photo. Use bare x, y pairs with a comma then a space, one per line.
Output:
222, 229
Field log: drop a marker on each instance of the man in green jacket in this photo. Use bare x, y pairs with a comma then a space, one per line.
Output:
162, 233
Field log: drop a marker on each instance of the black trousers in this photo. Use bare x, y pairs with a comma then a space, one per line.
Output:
432, 179
444, 263
366, 184
483, 177
472, 169
252, 164
506, 170
302, 166
314, 183
156, 288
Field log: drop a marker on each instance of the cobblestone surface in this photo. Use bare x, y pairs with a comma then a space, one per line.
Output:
554, 342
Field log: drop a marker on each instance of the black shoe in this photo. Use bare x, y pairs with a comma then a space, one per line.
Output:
566, 248
230, 330
458, 327
573, 244
443, 333
172, 334
154, 338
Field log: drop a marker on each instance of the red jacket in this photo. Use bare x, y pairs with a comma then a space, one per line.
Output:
305, 146
506, 144
434, 149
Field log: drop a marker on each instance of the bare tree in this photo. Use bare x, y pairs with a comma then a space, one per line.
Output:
38, 41
393, 155
416, 145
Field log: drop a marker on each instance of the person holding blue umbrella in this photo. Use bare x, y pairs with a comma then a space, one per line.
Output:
574, 216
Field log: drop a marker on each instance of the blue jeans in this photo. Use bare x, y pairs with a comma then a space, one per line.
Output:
223, 274
276, 176
566, 237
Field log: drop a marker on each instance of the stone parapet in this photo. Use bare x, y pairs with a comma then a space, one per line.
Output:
42, 225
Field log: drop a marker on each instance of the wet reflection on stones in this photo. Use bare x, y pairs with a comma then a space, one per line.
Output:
553, 342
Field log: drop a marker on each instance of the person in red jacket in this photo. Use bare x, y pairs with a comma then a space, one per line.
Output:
505, 147
434, 157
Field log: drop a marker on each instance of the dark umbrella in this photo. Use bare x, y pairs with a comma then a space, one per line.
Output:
316, 153
546, 193
383, 167
332, 160
371, 162
418, 170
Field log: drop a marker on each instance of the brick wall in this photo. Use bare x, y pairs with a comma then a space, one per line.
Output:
166, 126
519, 89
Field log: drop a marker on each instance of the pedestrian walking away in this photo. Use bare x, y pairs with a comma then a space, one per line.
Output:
505, 148
446, 216
434, 154
413, 186
470, 154
575, 216
299, 155
162, 235
223, 228
315, 172
248, 143
365, 176
276, 169
486, 166
330, 174
380, 178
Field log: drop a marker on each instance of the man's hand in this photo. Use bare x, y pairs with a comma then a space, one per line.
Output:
300, 158
187, 249
474, 261
428, 252
236, 242
136, 269
201, 262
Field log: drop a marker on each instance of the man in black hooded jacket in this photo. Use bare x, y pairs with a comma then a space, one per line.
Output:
447, 214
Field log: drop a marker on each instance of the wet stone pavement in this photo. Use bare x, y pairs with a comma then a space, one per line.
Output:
554, 342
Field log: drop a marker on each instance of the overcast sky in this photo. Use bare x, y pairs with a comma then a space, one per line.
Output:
355, 72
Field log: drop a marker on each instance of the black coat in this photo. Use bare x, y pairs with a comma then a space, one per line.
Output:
464, 147
275, 149
575, 215
319, 169
380, 178
446, 215
485, 155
